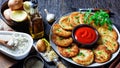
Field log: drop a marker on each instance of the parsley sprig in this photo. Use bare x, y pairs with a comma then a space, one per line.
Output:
100, 18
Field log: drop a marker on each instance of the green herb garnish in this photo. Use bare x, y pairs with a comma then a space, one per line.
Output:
100, 18
86, 17
68, 49
99, 52
59, 30
81, 54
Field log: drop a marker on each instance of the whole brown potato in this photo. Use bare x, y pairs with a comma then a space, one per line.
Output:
15, 4
41, 46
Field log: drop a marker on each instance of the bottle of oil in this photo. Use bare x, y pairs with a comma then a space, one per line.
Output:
36, 23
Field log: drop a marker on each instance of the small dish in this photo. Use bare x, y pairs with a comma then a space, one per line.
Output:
85, 35
23, 47
33, 62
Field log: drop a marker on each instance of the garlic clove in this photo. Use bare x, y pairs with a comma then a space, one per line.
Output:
49, 16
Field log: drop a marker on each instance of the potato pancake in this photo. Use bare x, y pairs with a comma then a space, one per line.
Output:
56, 29
104, 31
65, 23
102, 54
109, 42
70, 51
85, 57
61, 41
74, 18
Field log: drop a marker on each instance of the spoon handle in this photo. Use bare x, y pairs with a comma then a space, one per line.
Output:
58, 63
4, 43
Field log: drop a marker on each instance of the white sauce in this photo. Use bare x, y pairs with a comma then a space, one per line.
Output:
21, 42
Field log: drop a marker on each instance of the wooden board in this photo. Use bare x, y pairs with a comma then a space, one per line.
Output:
6, 62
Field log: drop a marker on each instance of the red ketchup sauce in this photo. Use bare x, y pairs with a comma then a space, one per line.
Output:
85, 35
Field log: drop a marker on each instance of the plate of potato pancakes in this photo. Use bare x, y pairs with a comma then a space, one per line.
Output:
104, 50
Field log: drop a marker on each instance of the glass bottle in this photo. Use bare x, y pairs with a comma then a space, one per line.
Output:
36, 23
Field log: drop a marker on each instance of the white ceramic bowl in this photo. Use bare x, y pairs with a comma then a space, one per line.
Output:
22, 50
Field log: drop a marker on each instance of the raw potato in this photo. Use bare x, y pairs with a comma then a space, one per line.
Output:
15, 4
7, 13
41, 46
18, 15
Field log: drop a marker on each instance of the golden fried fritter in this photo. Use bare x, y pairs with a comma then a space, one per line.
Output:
61, 41
70, 51
65, 23
74, 18
56, 29
85, 57
109, 42
104, 31
81, 18
102, 54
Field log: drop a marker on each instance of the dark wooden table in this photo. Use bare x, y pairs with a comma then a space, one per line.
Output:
61, 7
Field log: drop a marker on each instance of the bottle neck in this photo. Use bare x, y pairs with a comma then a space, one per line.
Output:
33, 11
34, 7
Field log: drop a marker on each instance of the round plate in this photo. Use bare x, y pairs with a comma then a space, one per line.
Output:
93, 64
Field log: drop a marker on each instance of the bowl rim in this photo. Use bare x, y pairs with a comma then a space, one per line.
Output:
85, 25
33, 56
20, 33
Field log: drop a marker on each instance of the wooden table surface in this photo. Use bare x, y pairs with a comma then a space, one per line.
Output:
61, 7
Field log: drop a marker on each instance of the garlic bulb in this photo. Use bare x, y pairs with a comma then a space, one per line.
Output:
49, 16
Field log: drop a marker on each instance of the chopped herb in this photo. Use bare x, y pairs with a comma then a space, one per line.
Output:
68, 19
71, 25
113, 44
86, 17
99, 52
77, 17
68, 49
104, 33
81, 54
59, 30
77, 20
105, 40
62, 24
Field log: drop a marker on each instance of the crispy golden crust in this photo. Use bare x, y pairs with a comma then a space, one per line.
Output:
70, 51
65, 23
56, 29
102, 54
109, 42
93, 24
85, 57
113, 47
74, 18
61, 41
104, 31
81, 18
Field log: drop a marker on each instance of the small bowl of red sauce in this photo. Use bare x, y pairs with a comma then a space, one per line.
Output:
85, 35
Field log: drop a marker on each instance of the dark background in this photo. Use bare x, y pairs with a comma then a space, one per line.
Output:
61, 7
